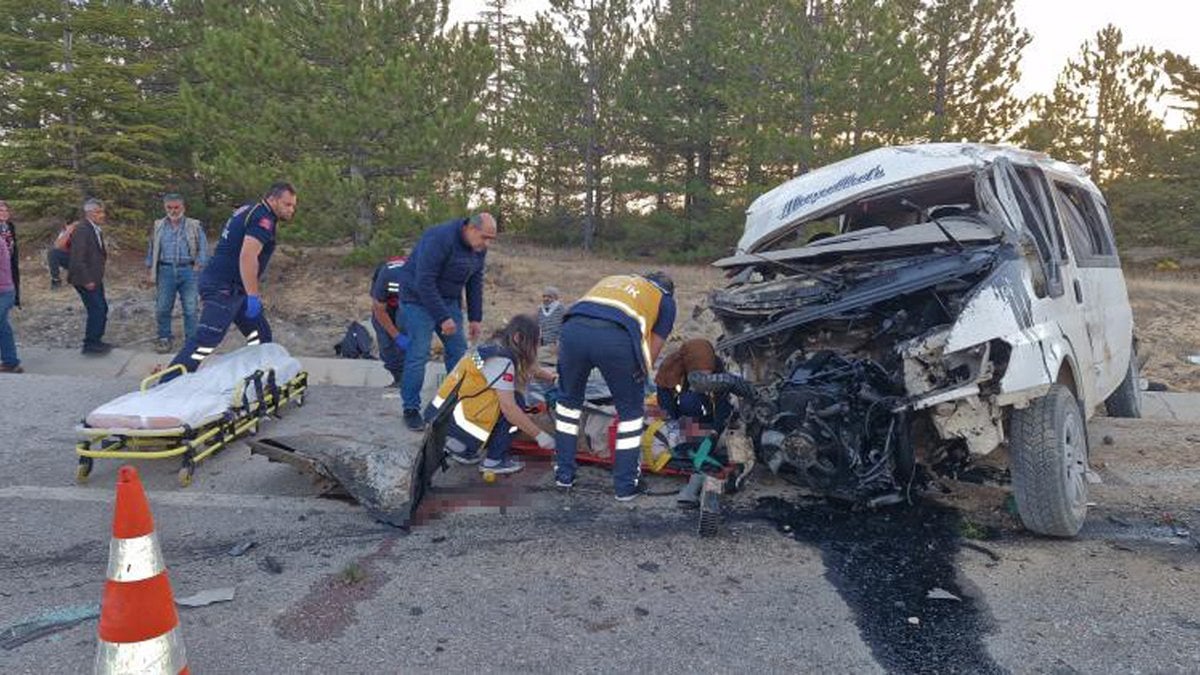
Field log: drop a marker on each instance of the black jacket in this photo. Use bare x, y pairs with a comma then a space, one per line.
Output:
88, 256
14, 259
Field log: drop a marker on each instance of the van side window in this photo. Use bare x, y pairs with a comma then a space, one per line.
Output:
1085, 225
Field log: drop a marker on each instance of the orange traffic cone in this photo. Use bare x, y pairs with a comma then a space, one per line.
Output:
139, 629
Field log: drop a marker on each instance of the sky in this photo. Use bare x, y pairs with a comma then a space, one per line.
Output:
1058, 28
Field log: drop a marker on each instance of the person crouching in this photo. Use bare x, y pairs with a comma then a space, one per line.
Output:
484, 389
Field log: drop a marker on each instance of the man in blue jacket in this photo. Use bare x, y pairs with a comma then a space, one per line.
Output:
448, 260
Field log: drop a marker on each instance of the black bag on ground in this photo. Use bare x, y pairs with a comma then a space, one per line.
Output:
356, 343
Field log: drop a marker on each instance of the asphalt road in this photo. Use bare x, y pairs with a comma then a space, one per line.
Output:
516, 577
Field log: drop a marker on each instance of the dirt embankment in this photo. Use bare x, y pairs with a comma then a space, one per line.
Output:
311, 295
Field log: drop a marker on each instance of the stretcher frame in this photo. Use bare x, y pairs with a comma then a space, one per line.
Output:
193, 444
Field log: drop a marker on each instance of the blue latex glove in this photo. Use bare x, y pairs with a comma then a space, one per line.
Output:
401, 341
253, 307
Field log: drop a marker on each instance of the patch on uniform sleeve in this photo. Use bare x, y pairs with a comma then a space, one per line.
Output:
266, 224
507, 377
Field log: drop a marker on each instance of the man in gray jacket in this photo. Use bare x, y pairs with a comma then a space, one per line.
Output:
177, 251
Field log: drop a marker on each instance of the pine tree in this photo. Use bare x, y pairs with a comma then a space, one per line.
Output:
971, 52
80, 118
1099, 114
371, 108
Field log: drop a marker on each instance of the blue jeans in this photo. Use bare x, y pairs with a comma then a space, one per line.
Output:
172, 280
57, 260
8, 343
420, 328
222, 306
584, 344
97, 314
500, 442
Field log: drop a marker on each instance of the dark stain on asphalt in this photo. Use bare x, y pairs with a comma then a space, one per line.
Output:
884, 565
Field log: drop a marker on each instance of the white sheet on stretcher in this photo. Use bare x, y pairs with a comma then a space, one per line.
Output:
197, 398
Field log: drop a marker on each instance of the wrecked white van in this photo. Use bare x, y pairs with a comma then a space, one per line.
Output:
912, 308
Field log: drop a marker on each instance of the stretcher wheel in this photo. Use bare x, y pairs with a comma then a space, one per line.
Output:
185, 475
83, 470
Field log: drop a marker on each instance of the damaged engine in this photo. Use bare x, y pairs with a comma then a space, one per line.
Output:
826, 362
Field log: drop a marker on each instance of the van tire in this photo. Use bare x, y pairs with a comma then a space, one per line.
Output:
1126, 401
1048, 446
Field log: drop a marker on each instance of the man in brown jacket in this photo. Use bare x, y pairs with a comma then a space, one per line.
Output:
89, 253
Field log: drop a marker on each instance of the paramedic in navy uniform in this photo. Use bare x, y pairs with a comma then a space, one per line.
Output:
229, 285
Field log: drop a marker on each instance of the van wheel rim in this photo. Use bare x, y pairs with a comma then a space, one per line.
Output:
1075, 457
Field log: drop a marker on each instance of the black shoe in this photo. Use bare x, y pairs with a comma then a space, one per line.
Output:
413, 420
97, 349
55, 284
639, 488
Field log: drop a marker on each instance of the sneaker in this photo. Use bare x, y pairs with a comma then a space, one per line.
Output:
564, 484
5, 368
506, 465
55, 284
465, 459
639, 488
413, 420
163, 346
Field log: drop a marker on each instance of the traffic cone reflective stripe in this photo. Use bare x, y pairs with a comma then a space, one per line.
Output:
139, 627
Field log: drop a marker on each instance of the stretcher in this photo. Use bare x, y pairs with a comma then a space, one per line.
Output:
194, 415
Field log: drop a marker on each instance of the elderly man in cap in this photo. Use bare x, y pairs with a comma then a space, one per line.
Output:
550, 316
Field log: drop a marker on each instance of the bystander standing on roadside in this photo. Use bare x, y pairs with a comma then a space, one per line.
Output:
550, 316
89, 253
10, 291
58, 256
178, 249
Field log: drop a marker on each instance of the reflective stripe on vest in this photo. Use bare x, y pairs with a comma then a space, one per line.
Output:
634, 297
477, 405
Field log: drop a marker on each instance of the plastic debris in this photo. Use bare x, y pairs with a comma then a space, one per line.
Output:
1194, 359
207, 597
912, 620
47, 624
240, 549
941, 594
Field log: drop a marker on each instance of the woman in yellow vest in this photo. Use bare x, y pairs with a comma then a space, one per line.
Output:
618, 327
485, 390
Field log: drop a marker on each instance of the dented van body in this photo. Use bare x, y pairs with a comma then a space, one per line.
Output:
912, 308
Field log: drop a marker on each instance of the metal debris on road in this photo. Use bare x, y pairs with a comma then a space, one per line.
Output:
207, 597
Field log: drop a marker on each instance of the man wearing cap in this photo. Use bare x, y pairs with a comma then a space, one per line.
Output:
177, 251
550, 316
386, 317
448, 261
619, 326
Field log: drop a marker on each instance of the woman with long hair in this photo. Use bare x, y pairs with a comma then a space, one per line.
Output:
485, 390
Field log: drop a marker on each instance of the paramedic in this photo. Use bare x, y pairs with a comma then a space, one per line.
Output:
386, 317
484, 389
619, 327
448, 259
229, 284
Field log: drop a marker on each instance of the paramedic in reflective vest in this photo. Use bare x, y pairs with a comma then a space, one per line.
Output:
387, 319
447, 261
229, 284
484, 389
619, 327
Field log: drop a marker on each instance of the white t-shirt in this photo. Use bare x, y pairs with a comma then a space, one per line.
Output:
500, 373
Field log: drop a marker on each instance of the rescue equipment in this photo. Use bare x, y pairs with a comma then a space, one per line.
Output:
195, 414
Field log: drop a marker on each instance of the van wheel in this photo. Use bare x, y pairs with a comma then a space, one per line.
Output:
1049, 464
1126, 401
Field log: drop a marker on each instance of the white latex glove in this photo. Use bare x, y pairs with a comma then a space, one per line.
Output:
545, 441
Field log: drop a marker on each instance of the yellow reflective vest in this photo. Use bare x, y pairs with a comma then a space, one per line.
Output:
476, 403
638, 302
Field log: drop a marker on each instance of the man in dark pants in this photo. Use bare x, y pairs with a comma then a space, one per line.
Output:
86, 273
229, 284
58, 257
448, 260
387, 319
619, 327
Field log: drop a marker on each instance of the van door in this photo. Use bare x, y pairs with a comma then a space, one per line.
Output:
1099, 282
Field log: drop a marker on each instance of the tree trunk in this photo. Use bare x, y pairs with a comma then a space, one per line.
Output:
364, 217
